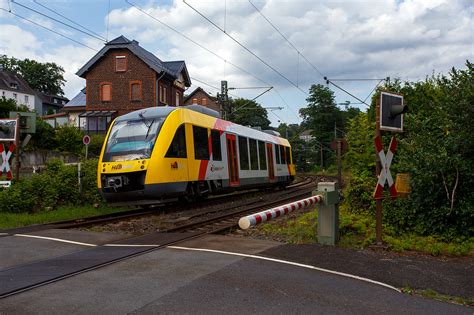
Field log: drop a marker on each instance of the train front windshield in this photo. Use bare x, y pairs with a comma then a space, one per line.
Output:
132, 139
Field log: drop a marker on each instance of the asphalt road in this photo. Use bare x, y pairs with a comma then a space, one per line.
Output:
173, 280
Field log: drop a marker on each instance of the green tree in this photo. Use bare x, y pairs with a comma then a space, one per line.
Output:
436, 149
7, 106
360, 160
69, 139
321, 116
44, 138
249, 113
44, 77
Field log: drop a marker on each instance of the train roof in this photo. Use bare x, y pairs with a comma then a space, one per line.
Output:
164, 111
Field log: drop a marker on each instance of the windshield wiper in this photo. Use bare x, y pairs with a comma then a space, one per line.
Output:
149, 127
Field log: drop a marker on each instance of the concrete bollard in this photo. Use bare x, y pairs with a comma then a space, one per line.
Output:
328, 213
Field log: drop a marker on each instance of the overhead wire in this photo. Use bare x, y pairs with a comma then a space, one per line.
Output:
53, 31
208, 50
58, 21
313, 66
64, 17
244, 47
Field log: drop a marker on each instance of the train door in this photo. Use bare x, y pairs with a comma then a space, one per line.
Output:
271, 170
232, 160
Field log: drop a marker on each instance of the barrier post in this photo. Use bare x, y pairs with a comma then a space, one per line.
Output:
328, 213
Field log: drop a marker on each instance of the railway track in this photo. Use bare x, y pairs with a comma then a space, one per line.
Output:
211, 222
213, 202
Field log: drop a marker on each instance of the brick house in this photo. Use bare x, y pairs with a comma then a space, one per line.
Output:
201, 97
123, 77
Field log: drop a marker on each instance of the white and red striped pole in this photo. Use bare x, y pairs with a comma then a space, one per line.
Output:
267, 215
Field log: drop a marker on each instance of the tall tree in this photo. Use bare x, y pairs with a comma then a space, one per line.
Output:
44, 77
321, 116
249, 113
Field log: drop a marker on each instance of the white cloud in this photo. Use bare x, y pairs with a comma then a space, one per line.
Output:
348, 39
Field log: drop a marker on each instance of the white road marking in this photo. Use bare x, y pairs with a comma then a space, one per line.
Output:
132, 245
3, 233
289, 263
55, 239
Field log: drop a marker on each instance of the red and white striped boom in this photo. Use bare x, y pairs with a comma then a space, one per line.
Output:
267, 215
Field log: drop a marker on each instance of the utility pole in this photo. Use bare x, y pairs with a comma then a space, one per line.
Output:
223, 98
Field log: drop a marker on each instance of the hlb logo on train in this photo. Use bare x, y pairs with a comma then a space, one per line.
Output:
117, 167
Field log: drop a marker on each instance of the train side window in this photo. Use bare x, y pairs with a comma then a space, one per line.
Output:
277, 153
177, 148
262, 156
253, 154
201, 143
282, 155
288, 155
243, 153
216, 145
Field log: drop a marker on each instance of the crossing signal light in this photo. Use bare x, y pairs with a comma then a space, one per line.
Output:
391, 112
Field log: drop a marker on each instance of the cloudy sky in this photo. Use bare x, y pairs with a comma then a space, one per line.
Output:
287, 44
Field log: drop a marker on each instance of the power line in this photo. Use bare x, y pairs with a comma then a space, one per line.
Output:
285, 38
314, 67
46, 28
245, 47
64, 17
58, 21
329, 81
208, 50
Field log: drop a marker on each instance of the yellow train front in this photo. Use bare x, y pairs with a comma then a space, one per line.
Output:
163, 153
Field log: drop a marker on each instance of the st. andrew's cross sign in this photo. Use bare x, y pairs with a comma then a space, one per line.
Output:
385, 175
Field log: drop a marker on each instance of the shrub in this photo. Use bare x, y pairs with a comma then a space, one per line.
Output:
57, 186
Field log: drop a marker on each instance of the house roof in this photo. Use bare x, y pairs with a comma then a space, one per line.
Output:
78, 100
49, 99
306, 133
173, 68
199, 89
8, 78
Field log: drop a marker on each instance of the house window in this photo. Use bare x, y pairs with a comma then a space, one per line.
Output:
120, 63
14, 96
105, 92
135, 90
163, 94
177, 99
14, 85
26, 99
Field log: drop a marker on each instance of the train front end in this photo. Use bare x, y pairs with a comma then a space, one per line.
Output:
125, 157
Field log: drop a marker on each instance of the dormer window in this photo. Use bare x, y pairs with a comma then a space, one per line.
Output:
120, 63
14, 85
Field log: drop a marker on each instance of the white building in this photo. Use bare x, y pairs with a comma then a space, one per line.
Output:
13, 86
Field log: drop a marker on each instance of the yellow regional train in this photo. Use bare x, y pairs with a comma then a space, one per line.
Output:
159, 154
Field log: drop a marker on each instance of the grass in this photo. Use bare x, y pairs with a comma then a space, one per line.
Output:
431, 294
358, 231
11, 220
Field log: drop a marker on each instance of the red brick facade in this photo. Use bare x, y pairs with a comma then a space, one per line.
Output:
200, 97
137, 73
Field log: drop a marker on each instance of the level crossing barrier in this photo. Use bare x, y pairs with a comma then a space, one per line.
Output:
267, 215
